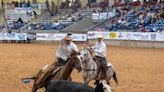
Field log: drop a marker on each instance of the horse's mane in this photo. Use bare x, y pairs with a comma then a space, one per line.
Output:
74, 53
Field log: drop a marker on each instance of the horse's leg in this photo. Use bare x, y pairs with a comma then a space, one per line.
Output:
86, 81
34, 88
111, 73
70, 78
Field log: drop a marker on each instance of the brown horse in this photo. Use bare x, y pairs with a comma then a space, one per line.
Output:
47, 75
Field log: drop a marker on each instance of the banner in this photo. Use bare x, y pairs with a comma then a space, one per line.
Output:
13, 36
103, 16
21, 36
57, 37
160, 37
138, 36
10, 36
23, 10
2, 36
95, 16
79, 37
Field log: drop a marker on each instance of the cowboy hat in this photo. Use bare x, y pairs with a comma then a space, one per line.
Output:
68, 37
100, 37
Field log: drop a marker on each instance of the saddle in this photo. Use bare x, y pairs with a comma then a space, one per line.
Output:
101, 70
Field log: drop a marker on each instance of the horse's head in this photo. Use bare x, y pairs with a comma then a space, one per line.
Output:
75, 59
85, 55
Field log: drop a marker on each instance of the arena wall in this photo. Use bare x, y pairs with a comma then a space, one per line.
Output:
126, 43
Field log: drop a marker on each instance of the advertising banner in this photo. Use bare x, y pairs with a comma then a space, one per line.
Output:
2, 36
57, 37
21, 36
79, 37
95, 16
160, 37
142, 36
103, 16
11, 36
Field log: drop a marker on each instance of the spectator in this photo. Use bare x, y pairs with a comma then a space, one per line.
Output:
21, 3
20, 20
35, 14
48, 5
34, 1
28, 3
16, 4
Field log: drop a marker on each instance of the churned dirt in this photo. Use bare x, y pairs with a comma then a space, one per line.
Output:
138, 69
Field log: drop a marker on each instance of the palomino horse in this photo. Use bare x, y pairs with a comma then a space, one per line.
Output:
90, 68
62, 73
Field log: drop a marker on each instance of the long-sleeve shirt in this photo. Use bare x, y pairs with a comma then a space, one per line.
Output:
100, 49
65, 50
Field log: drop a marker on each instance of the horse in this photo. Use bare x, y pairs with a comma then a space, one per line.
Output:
89, 68
69, 86
61, 73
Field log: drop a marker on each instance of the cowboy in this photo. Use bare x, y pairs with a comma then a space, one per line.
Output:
100, 53
65, 48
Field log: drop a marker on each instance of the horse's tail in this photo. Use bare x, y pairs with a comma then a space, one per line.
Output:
115, 78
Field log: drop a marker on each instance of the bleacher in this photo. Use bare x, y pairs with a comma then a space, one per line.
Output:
46, 24
145, 19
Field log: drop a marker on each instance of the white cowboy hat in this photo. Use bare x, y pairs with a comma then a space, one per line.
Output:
100, 37
68, 37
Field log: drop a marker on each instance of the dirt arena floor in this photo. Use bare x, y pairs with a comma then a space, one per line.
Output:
138, 69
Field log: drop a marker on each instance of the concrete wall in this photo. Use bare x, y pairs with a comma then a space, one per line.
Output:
143, 44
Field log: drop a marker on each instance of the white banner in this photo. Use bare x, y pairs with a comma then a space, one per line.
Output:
143, 36
103, 16
23, 10
10, 36
57, 37
79, 37
2, 36
95, 16
139, 36
21, 36
160, 37
13, 36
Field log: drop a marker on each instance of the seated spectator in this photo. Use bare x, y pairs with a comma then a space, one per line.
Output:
20, 20
28, 3
16, 4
